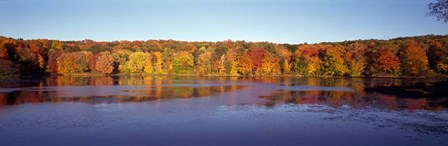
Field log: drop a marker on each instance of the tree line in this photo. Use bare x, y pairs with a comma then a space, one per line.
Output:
408, 56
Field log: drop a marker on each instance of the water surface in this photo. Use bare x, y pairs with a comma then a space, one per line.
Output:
147, 110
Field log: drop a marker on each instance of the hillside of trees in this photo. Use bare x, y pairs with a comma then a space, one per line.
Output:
411, 56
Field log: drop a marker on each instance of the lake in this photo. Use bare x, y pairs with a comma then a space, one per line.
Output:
162, 110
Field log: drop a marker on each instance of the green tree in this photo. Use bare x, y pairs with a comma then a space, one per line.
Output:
167, 57
183, 62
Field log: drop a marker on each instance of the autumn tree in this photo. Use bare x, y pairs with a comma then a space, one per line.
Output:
75, 62
355, 59
218, 63
234, 66
137, 62
8, 68
306, 60
3, 50
183, 62
65, 63
167, 57
232, 58
411, 56
158, 62
413, 59
222, 70
30, 58
52, 62
270, 65
384, 61
149, 64
286, 67
92, 62
332, 61
80, 60
257, 55
283, 56
203, 63
438, 56
153, 45
246, 64
104, 63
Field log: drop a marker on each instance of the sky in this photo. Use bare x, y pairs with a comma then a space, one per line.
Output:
279, 21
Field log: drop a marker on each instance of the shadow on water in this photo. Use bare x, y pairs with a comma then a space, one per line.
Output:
415, 90
334, 93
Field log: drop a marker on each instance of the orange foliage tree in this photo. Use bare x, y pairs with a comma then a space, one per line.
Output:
386, 61
246, 64
332, 61
306, 60
413, 59
104, 63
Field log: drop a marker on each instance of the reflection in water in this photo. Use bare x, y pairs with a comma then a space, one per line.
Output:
334, 92
265, 111
354, 100
357, 99
111, 89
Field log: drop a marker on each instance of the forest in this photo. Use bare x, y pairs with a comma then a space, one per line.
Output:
420, 56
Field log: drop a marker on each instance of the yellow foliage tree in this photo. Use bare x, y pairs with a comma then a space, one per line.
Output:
204, 65
158, 62
234, 65
269, 65
137, 62
286, 67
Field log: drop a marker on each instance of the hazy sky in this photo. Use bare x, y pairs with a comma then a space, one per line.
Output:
281, 21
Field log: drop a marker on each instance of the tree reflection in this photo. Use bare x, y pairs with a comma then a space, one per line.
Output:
153, 88
339, 99
357, 99
146, 88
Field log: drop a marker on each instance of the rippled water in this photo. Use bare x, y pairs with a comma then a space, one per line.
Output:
146, 110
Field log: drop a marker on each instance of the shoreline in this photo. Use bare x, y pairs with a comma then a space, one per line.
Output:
195, 75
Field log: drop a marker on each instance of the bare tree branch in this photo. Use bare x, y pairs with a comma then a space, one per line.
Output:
439, 9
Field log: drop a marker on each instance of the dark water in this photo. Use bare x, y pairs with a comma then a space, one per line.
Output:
135, 110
